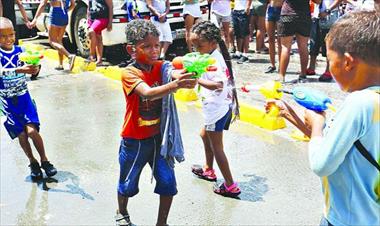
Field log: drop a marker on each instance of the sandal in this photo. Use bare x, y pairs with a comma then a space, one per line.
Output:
232, 191
310, 72
122, 220
59, 68
71, 61
207, 174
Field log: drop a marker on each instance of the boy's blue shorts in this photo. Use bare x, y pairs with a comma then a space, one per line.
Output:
20, 111
133, 156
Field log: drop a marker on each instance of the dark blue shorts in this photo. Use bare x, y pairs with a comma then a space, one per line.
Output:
58, 17
240, 22
273, 14
317, 39
20, 111
133, 156
221, 124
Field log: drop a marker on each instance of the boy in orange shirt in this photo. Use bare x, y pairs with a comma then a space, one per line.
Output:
141, 136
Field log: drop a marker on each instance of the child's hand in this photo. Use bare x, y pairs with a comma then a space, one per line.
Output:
282, 106
28, 69
109, 26
184, 80
162, 18
315, 119
32, 24
186, 83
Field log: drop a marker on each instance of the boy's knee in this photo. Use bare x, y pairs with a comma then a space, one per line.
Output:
127, 190
31, 131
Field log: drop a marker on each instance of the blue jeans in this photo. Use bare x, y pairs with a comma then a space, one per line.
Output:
133, 156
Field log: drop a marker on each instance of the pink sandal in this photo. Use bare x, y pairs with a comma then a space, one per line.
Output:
205, 174
232, 191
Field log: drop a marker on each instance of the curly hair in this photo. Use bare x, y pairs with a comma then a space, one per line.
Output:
138, 29
207, 30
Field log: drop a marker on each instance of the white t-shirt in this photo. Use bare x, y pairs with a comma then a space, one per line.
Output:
361, 5
216, 103
324, 5
159, 5
221, 7
240, 4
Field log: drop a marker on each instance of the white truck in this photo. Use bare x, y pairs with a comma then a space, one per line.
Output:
77, 27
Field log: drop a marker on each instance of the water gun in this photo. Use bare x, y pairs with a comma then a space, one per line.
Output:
304, 96
195, 62
32, 58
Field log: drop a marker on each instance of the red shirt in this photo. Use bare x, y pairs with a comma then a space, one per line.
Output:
142, 116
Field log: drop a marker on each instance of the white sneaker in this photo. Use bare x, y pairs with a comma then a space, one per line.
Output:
122, 220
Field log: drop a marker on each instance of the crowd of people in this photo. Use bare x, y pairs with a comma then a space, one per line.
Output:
342, 151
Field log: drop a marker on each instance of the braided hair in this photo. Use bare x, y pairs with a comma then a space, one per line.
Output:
208, 31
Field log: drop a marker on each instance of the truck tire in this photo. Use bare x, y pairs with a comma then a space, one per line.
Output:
79, 32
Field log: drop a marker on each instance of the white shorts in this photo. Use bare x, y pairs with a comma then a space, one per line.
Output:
218, 19
165, 31
192, 9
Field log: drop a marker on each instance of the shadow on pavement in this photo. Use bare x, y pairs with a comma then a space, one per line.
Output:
254, 189
53, 184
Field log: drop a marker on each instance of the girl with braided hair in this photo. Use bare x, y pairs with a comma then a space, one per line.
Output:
219, 100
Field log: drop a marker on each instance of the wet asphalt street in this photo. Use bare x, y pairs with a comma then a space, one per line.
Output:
81, 117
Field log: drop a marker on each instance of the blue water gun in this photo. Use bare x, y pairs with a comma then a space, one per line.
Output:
304, 96
311, 99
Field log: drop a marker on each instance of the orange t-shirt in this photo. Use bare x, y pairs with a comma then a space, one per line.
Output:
142, 116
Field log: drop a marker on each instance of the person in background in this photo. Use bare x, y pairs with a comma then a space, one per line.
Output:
191, 14
100, 15
221, 16
257, 18
159, 9
59, 19
271, 19
295, 20
7, 10
133, 10
240, 19
318, 34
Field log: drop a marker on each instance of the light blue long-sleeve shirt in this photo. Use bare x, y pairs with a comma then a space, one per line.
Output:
351, 184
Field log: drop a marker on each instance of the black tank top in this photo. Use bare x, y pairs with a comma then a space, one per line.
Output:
98, 9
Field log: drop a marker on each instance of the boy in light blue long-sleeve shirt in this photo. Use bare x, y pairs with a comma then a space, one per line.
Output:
351, 184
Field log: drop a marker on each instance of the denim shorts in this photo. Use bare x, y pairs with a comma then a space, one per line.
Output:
240, 22
133, 156
58, 17
273, 14
221, 124
317, 39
